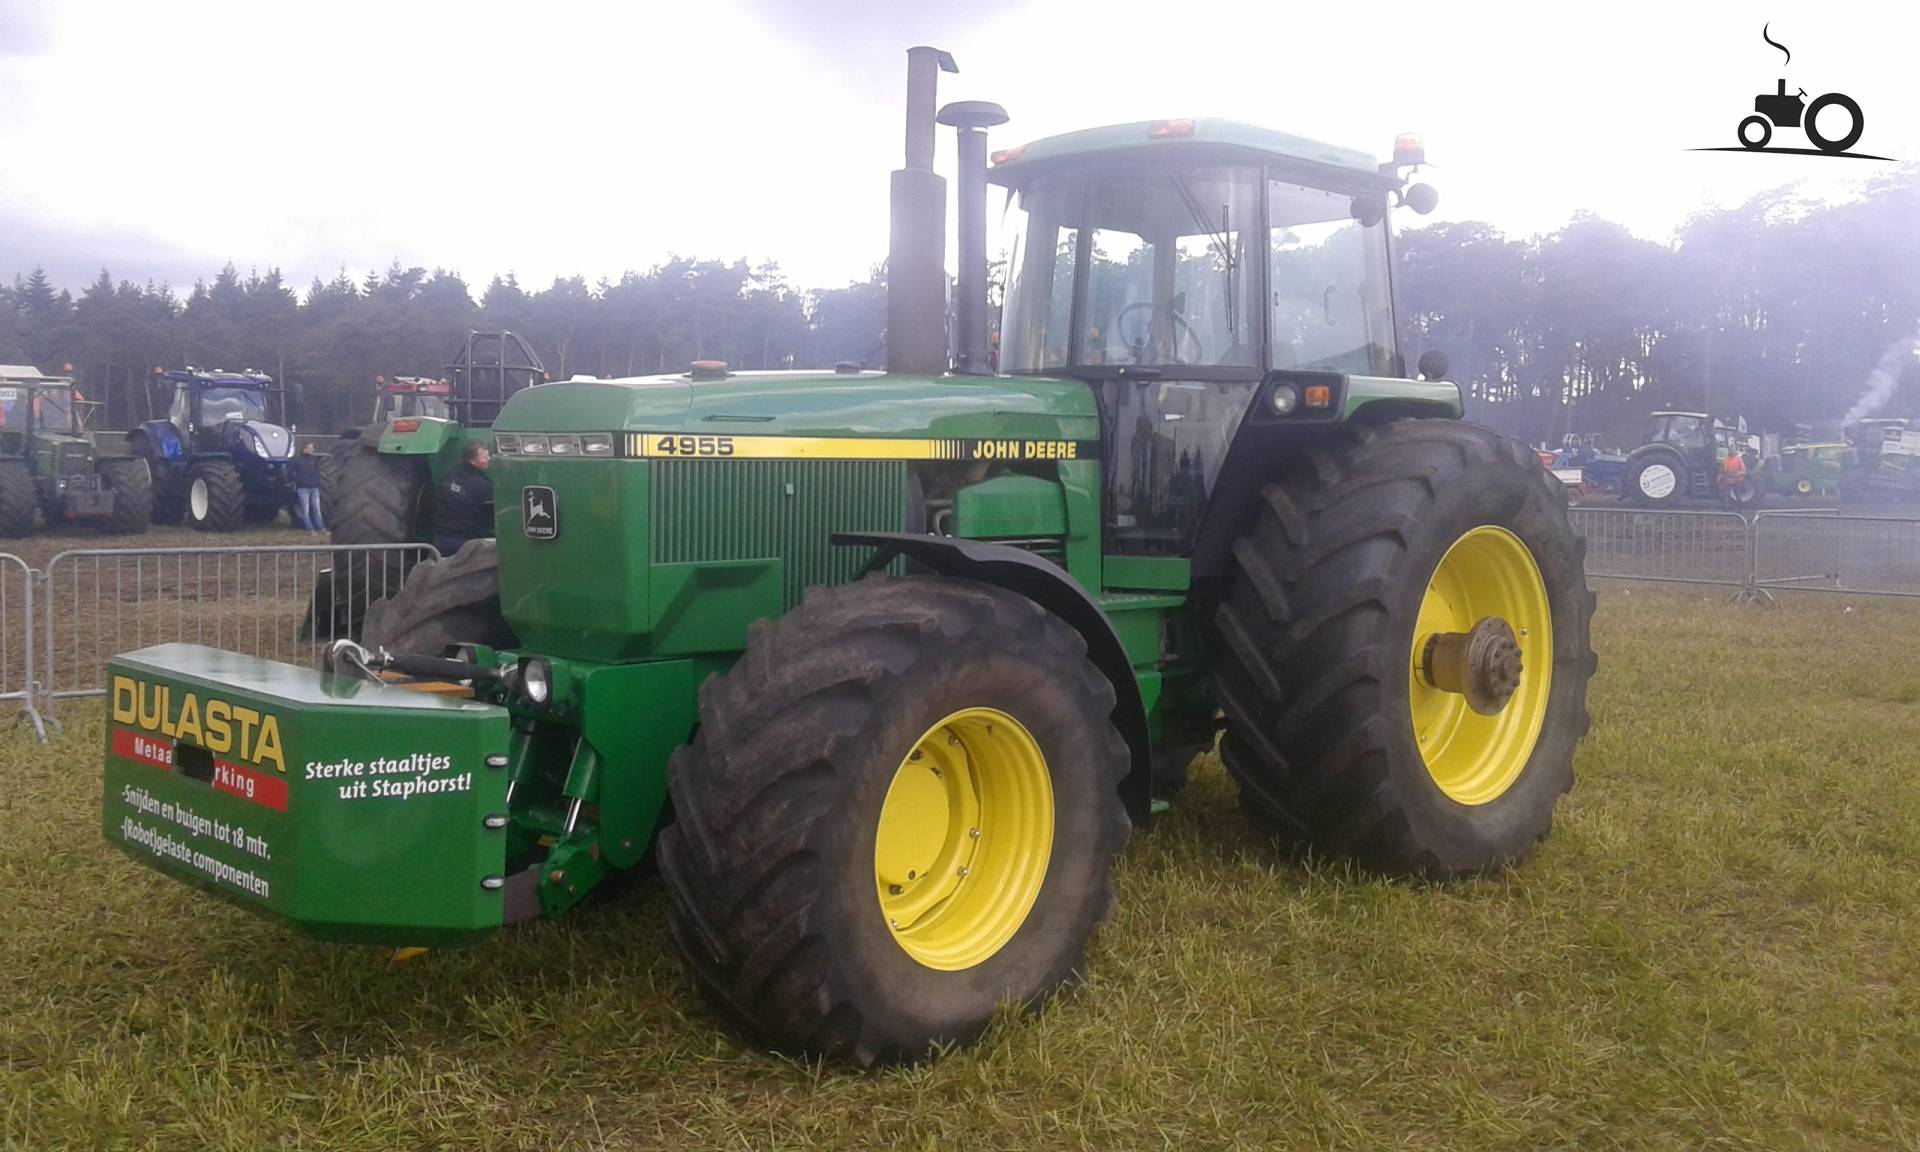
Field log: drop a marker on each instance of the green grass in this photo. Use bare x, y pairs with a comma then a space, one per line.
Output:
1718, 948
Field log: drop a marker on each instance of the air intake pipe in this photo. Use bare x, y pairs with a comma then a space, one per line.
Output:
917, 240
970, 120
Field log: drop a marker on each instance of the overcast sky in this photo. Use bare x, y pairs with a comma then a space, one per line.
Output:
161, 140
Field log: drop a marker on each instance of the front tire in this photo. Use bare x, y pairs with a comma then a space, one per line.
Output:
132, 486
455, 600
1338, 742
18, 500
828, 890
215, 498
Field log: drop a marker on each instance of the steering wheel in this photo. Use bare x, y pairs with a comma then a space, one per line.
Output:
1138, 346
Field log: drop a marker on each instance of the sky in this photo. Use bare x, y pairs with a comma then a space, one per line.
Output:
162, 140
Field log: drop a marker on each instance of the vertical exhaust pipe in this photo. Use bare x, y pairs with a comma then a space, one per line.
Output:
970, 120
917, 239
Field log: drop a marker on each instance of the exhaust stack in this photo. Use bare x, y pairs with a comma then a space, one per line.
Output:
917, 240
970, 120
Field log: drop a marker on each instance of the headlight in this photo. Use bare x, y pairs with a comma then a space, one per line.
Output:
564, 445
1284, 399
536, 679
598, 444
533, 446
505, 444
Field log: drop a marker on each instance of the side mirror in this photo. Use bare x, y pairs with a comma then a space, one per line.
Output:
1422, 198
1433, 364
1368, 210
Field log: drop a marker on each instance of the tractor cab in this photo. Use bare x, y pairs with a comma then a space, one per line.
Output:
48, 459
1184, 267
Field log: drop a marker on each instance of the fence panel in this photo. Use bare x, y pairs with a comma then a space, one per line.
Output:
17, 668
1858, 554
1679, 547
98, 602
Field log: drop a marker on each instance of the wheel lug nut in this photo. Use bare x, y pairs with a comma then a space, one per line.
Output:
963, 871
974, 832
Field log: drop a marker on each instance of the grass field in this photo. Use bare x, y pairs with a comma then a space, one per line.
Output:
1719, 948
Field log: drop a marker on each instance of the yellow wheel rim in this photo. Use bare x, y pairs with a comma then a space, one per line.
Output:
1487, 573
965, 835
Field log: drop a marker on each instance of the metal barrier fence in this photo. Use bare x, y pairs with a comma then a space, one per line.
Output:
16, 639
1878, 557
1676, 547
269, 602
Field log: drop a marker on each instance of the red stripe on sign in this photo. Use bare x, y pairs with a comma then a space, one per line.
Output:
259, 787
146, 749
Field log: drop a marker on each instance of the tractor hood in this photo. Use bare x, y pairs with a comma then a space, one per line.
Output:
810, 404
257, 438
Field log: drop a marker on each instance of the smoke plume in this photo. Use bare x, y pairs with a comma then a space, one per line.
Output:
1775, 43
1884, 378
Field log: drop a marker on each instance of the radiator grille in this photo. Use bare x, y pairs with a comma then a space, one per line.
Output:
707, 510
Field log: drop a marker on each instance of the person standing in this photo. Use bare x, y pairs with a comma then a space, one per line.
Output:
465, 509
306, 490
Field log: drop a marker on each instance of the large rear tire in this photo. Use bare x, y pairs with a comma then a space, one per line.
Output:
1338, 741
376, 499
1657, 480
451, 601
132, 486
18, 500
216, 499
901, 811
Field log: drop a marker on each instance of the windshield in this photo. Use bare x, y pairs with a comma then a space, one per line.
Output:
1332, 304
1167, 277
48, 409
1674, 430
218, 404
421, 404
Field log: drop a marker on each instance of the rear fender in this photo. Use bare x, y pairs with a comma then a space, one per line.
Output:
1049, 586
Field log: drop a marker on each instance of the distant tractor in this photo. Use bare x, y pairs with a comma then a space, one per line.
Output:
1807, 471
383, 476
1682, 460
1884, 462
50, 466
218, 459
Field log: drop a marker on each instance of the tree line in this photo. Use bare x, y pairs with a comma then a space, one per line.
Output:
1779, 311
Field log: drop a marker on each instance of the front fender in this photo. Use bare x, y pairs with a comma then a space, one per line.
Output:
1049, 586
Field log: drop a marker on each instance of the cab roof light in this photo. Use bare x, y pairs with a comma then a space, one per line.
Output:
1007, 155
1167, 129
1409, 150
407, 425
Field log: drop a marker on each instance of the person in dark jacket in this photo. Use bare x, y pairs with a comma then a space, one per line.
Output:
306, 490
465, 509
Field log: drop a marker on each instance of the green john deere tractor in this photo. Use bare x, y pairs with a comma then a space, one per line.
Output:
49, 464
882, 668
381, 478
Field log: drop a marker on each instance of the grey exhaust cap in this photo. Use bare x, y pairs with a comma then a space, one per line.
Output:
970, 120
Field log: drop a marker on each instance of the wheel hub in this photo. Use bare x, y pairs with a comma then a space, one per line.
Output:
1484, 664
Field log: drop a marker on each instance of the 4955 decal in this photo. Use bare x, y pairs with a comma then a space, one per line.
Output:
673, 446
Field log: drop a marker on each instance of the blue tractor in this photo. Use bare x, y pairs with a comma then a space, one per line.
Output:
217, 459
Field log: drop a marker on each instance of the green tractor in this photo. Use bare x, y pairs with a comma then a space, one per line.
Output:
883, 668
381, 478
49, 464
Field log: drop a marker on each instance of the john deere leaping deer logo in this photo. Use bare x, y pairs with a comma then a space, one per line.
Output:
539, 512
1780, 109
